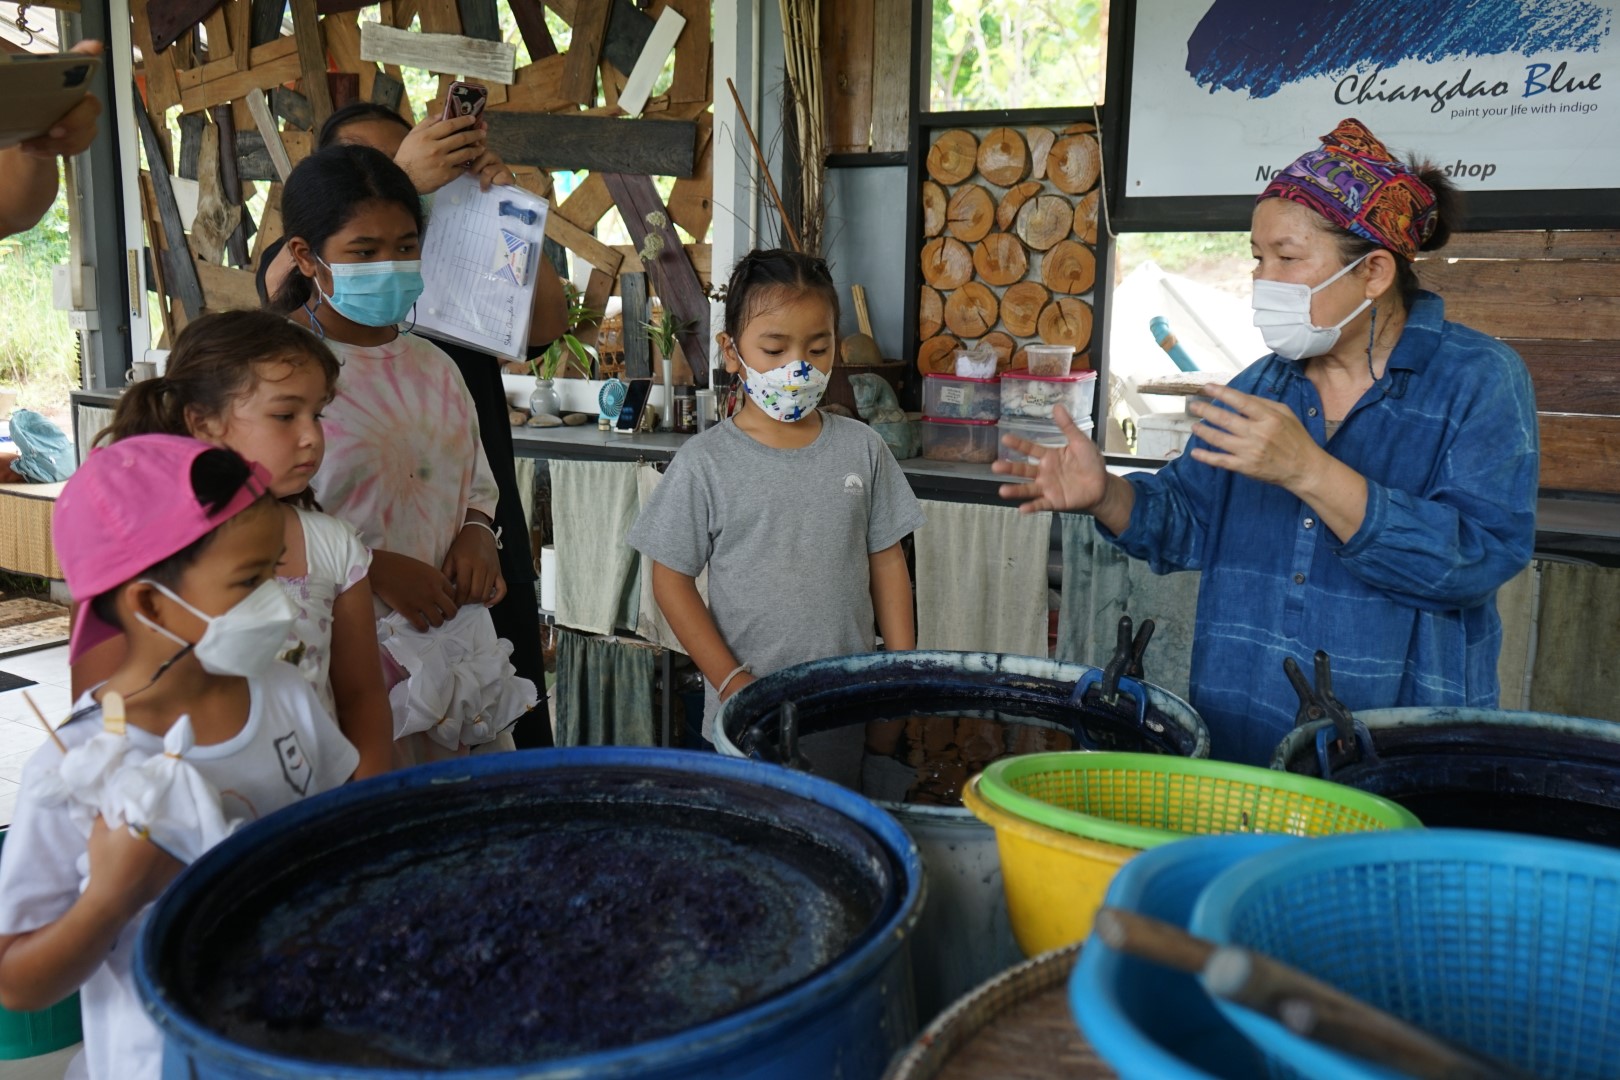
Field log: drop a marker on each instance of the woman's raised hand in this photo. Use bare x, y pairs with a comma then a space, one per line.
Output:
437, 151
1072, 477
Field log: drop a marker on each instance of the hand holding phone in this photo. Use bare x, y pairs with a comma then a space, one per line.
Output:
465, 99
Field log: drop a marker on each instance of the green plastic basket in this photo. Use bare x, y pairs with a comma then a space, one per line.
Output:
1144, 800
30, 1034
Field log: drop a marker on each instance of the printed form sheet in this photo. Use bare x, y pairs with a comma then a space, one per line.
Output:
479, 259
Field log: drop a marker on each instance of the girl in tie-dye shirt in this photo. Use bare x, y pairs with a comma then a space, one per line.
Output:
404, 464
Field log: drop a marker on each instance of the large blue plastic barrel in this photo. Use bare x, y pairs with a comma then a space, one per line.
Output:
1520, 772
964, 936
846, 1020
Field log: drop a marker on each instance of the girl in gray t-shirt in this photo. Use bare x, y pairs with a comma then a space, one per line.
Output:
797, 514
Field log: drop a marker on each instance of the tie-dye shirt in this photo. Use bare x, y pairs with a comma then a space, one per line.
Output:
1406, 608
403, 462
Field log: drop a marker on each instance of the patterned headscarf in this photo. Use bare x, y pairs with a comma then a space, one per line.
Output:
1356, 183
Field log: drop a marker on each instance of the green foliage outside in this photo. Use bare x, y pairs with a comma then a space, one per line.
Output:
1179, 252
1017, 54
38, 350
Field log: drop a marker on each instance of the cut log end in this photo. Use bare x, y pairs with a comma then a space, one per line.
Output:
1003, 157
1074, 164
971, 311
934, 201
1000, 259
930, 313
971, 213
1069, 267
1044, 220
953, 156
936, 356
946, 263
1066, 321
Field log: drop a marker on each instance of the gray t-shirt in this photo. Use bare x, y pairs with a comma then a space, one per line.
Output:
785, 535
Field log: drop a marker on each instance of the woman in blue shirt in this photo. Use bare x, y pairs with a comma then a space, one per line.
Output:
1364, 489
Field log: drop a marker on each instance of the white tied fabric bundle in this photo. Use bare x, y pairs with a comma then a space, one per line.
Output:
463, 689
160, 795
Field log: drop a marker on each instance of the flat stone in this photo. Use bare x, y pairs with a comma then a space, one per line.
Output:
578, 419
545, 420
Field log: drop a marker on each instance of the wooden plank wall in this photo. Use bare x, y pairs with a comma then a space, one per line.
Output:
204, 80
1554, 297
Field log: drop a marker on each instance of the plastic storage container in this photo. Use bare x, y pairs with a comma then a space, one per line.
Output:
1036, 431
1049, 360
959, 440
1503, 945
1032, 397
951, 397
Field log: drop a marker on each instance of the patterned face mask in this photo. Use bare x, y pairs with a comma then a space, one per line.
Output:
788, 393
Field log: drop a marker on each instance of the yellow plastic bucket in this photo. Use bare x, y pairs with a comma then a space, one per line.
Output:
1054, 881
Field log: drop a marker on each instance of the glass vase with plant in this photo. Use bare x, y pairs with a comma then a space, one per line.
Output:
567, 350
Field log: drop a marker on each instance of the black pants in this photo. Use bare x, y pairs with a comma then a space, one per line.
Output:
517, 616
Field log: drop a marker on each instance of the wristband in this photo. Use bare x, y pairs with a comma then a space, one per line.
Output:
736, 671
495, 532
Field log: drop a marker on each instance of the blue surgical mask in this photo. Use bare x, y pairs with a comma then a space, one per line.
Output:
374, 293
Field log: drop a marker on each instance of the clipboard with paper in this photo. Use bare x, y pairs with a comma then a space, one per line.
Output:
480, 255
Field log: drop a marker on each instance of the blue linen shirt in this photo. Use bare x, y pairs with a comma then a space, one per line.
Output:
1405, 608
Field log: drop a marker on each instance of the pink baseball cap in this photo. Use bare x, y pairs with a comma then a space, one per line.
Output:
126, 509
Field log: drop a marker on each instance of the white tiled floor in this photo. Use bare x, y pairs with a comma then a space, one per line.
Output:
20, 733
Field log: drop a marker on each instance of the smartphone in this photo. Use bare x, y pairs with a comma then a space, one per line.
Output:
465, 99
39, 90
635, 403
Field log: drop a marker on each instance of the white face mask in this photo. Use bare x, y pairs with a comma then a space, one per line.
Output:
1282, 311
788, 393
244, 640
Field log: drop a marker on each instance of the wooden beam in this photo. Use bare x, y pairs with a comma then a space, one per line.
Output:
169, 19
691, 81
231, 87
586, 204
280, 163
217, 30
270, 227
1564, 300
531, 23
846, 64
440, 17
700, 255
239, 17
1528, 244
585, 52
1580, 453
192, 78
162, 91
1573, 376
537, 87
691, 201
180, 272
268, 16
650, 64
635, 312
292, 107
312, 58
625, 39
583, 244
672, 273
891, 76
230, 182
479, 19
657, 147
343, 46
443, 53
567, 10
224, 289
193, 129
387, 91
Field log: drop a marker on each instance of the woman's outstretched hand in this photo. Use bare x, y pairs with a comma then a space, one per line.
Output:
1072, 477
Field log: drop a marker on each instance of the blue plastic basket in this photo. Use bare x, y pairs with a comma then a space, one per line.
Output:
1507, 945
1147, 1021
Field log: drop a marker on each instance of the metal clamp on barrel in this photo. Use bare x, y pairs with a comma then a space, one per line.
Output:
1342, 741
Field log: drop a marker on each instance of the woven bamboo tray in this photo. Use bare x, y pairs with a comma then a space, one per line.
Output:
1017, 1026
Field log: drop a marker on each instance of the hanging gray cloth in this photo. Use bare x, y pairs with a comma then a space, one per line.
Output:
1516, 606
1577, 667
981, 579
1101, 583
593, 504
604, 692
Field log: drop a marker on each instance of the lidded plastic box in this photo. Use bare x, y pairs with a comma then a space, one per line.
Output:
972, 441
1032, 397
1041, 432
952, 397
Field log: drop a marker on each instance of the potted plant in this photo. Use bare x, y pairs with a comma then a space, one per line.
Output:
566, 350
664, 333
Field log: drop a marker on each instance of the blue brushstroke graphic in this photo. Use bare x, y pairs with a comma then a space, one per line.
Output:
1263, 45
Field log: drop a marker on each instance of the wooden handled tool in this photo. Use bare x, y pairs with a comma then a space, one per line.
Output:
1305, 1005
44, 723
863, 317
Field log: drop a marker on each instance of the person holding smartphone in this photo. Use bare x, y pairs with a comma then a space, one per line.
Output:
433, 153
29, 171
